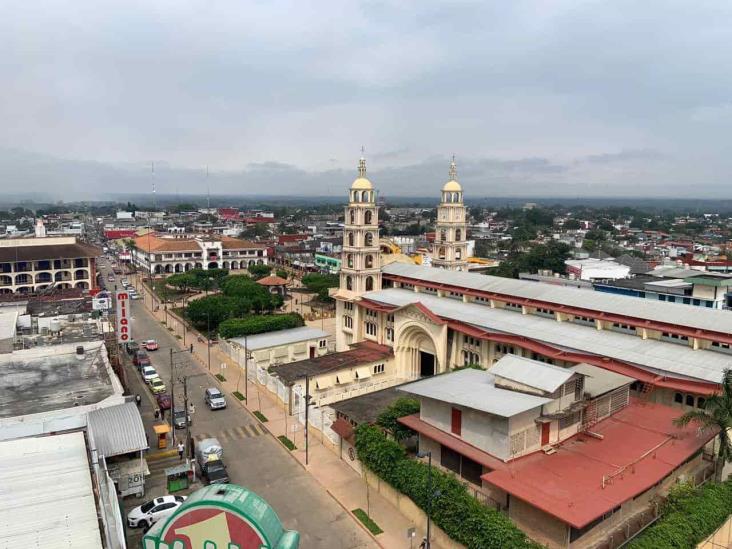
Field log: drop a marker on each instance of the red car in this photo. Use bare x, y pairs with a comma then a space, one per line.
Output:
141, 359
164, 401
150, 345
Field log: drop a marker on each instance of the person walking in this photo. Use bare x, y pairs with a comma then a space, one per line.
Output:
138, 399
157, 414
181, 450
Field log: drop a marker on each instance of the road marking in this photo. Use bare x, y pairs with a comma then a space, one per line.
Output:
239, 432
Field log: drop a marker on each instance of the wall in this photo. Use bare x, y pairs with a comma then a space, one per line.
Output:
484, 431
538, 525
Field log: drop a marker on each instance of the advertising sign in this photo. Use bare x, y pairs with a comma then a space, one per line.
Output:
101, 303
122, 322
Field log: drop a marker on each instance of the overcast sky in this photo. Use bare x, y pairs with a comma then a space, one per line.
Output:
545, 98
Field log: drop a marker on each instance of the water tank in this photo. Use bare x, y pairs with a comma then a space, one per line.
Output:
55, 325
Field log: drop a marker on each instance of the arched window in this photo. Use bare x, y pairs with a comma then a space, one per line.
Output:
364, 196
441, 253
369, 240
350, 239
368, 217
353, 217
458, 254
349, 283
369, 261
349, 261
443, 235
369, 283
458, 235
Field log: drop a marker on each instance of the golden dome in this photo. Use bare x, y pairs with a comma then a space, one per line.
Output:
362, 184
452, 186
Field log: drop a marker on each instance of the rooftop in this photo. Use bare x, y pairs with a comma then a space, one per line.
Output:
545, 377
117, 430
651, 355
49, 249
366, 408
659, 311
279, 337
474, 389
47, 498
640, 446
51, 378
272, 280
599, 381
360, 353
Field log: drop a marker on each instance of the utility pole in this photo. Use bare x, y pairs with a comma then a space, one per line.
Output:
307, 406
246, 370
172, 391
188, 418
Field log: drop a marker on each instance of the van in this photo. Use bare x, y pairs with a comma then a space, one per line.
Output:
214, 399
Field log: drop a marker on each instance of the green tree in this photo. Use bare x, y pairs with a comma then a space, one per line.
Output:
571, 225
320, 283
211, 310
282, 273
257, 230
401, 407
715, 416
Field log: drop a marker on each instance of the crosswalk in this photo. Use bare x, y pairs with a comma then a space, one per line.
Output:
242, 431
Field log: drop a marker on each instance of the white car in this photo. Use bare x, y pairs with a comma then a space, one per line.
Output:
149, 373
149, 513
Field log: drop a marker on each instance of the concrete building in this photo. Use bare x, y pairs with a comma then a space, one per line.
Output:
596, 269
173, 254
29, 265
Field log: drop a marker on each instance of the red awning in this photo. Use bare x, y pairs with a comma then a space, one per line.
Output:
343, 428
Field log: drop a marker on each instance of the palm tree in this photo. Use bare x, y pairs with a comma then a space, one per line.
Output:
716, 415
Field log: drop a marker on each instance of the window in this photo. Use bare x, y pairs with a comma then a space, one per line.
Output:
348, 322
700, 402
441, 253
349, 261
369, 283
369, 261
369, 239
443, 235
348, 305
322, 343
349, 283
379, 369
458, 235
370, 328
678, 398
690, 400
353, 217
390, 334
350, 239
456, 422
369, 217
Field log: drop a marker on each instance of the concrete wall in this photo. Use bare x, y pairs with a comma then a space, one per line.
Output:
487, 432
538, 525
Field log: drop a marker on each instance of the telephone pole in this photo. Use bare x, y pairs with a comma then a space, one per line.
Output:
188, 417
172, 392
307, 407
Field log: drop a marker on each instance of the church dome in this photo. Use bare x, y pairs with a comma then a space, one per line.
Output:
452, 186
362, 184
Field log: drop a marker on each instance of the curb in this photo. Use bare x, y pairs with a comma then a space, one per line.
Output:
161, 455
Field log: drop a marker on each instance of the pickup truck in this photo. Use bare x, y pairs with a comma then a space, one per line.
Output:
214, 471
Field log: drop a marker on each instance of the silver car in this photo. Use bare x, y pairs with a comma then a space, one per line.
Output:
214, 399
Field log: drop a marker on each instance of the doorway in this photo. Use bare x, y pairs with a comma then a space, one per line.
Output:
426, 364
545, 428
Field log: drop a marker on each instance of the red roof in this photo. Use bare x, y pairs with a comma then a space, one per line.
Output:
283, 238
115, 234
272, 280
640, 447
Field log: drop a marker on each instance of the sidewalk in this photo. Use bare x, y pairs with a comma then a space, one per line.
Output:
341, 481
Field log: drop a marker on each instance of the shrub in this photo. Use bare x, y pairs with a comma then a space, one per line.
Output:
282, 273
688, 516
238, 395
238, 327
404, 406
220, 377
260, 416
259, 271
460, 515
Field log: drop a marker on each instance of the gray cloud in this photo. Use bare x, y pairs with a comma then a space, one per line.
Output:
559, 98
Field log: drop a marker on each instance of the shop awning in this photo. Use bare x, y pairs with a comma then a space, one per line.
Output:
324, 382
345, 376
364, 372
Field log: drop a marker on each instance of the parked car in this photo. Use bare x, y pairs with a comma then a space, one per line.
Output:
214, 399
148, 373
150, 345
132, 347
209, 456
181, 418
141, 359
165, 401
149, 513
125, 282
135, 295
157, 386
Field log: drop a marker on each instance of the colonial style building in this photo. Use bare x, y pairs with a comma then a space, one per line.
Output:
620, 368
34, 264
172, 254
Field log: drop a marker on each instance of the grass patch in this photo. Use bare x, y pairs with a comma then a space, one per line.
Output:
166, 293
238, 395
367, 522
220, 377
170, 329
260, 416
178, 336
286, 441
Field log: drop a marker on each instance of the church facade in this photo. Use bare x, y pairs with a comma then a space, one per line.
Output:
442, 317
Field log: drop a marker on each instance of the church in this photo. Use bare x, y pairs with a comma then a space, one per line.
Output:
558, 379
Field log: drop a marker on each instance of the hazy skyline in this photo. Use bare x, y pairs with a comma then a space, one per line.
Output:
535, 98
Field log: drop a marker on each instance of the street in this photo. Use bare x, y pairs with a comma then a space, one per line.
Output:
254, 458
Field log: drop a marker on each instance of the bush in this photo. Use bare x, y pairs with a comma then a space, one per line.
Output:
238, 327
688, 516
256, 296
259, 271
238, 395
361, 515
403, 406
260, 416
282, 273
287, 442
220, 377
460, 515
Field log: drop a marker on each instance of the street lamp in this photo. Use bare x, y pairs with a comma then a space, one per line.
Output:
428, 455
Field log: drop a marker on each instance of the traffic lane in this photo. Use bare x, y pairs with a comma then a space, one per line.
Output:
301, 503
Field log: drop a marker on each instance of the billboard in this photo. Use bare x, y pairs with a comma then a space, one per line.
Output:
122, 322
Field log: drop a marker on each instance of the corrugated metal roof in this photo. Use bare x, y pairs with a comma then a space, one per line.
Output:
655, 356
117, 430
47, 498
280, 337
671, 313
532, 373
599, 381
474, 389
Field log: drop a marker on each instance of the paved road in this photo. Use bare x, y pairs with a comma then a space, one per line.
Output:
254, 459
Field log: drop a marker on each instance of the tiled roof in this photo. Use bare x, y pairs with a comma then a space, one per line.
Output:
48, 252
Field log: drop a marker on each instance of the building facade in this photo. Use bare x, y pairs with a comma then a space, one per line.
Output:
168, 254
449, 250
29, 265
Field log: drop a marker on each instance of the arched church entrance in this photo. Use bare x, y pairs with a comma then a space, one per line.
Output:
416, 355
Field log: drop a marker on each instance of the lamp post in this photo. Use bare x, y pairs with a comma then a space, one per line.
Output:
428, 455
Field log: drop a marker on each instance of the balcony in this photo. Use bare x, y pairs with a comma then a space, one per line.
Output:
23, 267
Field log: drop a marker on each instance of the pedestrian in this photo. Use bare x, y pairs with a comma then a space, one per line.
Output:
191, 408
162, 414
423, 545
157, 414
138, 399
181, 450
